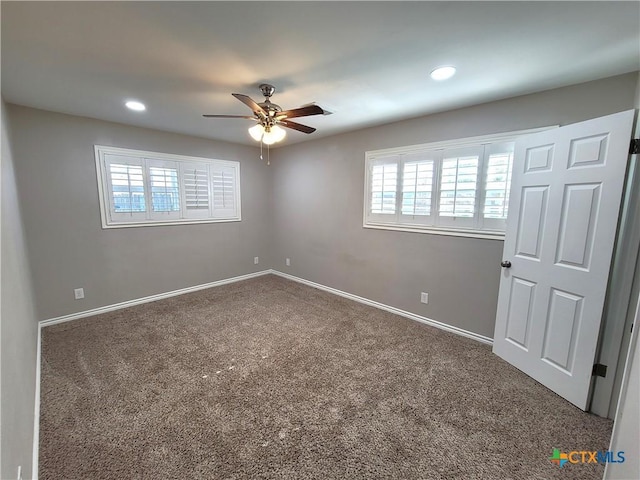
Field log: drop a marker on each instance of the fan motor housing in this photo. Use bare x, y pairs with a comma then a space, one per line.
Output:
268, 90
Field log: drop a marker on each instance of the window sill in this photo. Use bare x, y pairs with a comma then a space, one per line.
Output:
484, 234
174, 222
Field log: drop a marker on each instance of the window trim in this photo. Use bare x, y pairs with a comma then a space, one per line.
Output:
371, 156
105, 200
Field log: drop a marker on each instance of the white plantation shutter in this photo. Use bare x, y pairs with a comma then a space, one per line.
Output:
418, 178
383, 195
499, 168
383, 188
224, 185
145, 188
459, 175
163, 189
196, 189
417, 185
127, 194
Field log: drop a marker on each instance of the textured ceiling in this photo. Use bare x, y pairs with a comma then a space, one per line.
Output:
368, 62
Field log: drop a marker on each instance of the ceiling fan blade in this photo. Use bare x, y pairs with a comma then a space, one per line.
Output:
296, 126
250, 103
230, 116
301, 112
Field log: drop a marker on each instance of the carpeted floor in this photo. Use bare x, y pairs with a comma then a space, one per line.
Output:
270, 379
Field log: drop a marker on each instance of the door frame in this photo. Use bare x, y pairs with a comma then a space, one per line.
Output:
623, 436
622, 294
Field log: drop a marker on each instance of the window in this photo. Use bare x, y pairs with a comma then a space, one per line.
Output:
458, 187
145, 188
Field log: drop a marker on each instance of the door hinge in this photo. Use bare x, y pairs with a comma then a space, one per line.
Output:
599, 370
634, 148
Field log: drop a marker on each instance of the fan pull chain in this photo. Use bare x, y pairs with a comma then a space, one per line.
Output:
261, 157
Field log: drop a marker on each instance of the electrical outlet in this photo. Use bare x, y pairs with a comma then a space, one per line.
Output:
78, 293
288, 262
424, 297
256, 260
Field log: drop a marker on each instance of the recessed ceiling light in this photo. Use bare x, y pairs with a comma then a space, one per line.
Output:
442, 73
134, 105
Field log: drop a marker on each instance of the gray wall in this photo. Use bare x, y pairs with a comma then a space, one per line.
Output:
318, 201
56, 175
18, 330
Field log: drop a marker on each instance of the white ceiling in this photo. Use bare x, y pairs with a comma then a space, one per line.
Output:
368, 62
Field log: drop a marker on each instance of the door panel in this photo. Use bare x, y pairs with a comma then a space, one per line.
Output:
538, 159
519, 321
578, 225
532, 217
562, 325
565, 197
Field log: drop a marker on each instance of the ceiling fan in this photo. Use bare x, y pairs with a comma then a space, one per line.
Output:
270, 116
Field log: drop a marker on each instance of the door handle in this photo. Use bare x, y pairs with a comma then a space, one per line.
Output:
505, 264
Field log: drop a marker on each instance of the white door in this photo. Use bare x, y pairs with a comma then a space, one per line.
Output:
563, 214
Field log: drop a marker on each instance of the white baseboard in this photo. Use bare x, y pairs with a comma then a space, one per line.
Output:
151, 298
36, 410
195, 288
388, 308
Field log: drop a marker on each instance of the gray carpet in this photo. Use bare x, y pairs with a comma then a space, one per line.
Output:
270, 379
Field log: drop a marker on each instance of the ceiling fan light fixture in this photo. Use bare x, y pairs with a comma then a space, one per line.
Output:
277, 133
268, 135
443, 73
256, 132
268, 139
